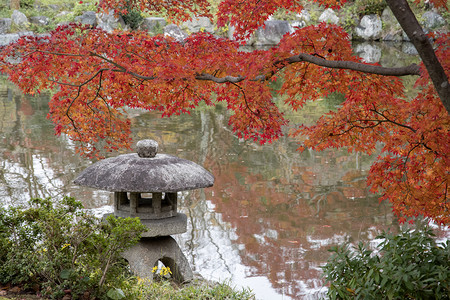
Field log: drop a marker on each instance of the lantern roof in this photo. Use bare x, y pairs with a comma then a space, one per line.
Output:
145, 172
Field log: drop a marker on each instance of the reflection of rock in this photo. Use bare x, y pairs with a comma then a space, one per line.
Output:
369, 28
409, 48
370, 53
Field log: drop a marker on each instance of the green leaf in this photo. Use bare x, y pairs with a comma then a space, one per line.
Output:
115, 294
65, 274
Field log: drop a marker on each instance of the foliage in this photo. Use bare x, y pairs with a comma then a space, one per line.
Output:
58, 246
133, 18
98, 75
410, 265
164, 290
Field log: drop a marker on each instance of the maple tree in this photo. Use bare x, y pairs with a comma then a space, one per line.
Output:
96, 75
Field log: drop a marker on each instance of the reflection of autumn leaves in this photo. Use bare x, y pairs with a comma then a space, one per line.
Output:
274, 217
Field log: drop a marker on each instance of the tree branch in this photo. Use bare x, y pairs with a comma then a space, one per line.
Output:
414, 31
412, 69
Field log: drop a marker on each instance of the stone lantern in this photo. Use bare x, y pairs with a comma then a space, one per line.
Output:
145, 185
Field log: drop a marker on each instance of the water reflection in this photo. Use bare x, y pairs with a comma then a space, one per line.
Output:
267, 222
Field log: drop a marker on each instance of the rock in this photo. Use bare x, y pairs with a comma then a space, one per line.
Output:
8, 38
109, 21
40, 20
146, 254
369, 28
5, 25
272, 33
368, 52
329, 16
153, 25
304, 16
19, 19
432, 20
88, 18
199, 24
174, 31
391, 29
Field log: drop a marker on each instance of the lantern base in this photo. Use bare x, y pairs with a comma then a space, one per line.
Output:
163, 227
145, 255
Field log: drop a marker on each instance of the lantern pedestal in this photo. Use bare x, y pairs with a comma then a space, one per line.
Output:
146, 254
145, 185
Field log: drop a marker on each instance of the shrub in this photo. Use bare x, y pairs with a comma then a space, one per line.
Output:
410, 265
59, 246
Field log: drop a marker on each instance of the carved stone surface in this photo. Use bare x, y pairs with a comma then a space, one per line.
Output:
131, 173
146, 254
137, 205
162, 227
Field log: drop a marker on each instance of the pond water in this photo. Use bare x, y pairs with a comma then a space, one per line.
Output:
265, 224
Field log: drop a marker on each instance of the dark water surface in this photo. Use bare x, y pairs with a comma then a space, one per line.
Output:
266, 223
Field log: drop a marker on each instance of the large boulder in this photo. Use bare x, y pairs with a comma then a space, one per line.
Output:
9, 38
174, 31
19, 19
109, 22
40, 20
392, 31
153, 25
199, 24
329, 16
271, 33
369, 28
88, 18
5, 25
432, 20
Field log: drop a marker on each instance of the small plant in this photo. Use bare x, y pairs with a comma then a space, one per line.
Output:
410, 265
59, 246
163, 272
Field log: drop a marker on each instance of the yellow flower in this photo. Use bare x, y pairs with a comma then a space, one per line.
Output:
65, 246
155, 268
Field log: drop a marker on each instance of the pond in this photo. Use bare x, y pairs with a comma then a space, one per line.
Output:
266, 223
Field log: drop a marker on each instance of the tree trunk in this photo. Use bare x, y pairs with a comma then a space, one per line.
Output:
414, 31
15, 4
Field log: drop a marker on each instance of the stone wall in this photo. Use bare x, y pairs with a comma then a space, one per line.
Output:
366, 28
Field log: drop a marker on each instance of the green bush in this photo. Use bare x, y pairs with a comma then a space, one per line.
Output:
410, 265
58, 246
